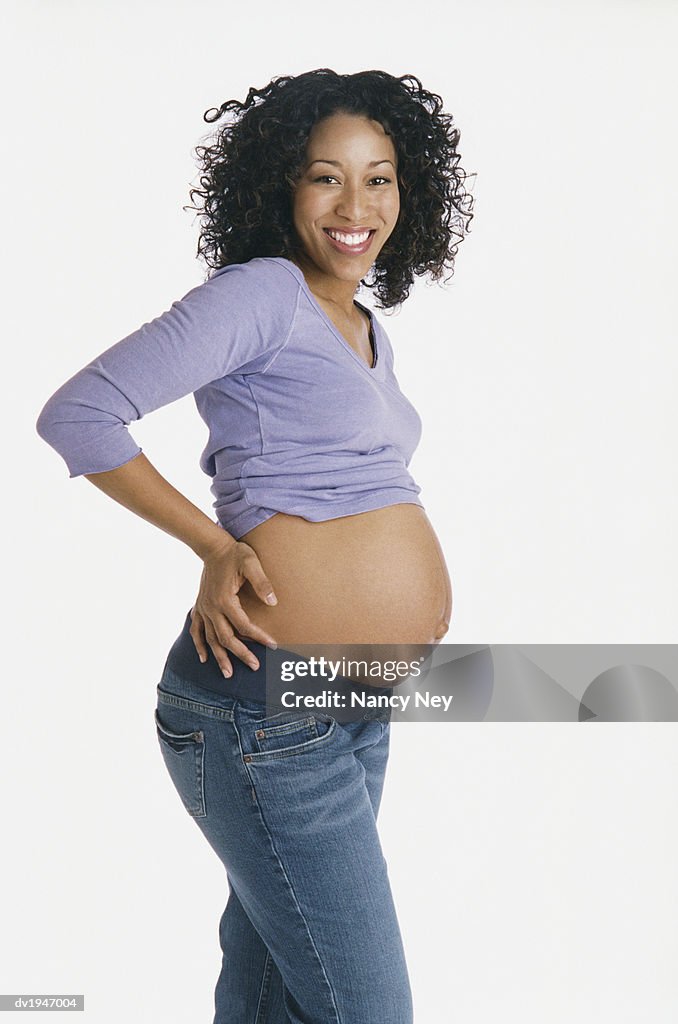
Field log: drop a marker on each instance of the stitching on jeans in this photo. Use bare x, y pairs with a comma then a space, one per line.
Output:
193, 705
262, 1003
262, 757
289, 884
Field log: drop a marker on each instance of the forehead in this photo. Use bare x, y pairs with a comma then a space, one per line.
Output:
349, 131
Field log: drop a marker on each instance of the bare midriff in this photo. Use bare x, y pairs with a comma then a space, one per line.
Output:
376, 578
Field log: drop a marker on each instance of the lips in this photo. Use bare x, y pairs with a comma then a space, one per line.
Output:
354, 242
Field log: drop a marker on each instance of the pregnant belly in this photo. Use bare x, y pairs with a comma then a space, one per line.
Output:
373, 578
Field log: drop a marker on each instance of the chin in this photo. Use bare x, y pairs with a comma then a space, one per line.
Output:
355, 274
351, 269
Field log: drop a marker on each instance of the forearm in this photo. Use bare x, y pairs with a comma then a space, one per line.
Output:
140, 487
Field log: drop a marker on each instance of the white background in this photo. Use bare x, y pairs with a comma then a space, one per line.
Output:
533, 864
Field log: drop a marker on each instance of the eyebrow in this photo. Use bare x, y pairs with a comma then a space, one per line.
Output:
337, 163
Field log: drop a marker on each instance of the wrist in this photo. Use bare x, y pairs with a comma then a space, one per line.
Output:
214, 542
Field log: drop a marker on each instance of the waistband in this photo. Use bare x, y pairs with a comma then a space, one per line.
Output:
265, 685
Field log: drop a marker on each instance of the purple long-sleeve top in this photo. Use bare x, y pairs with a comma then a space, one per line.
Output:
298, 422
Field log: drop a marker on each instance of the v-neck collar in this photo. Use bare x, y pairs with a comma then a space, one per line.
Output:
377, 368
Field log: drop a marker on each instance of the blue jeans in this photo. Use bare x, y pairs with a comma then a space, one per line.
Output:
289, 802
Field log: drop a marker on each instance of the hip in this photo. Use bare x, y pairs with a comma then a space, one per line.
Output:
272, 685
217, 741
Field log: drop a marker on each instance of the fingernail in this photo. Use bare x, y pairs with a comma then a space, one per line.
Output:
254, 665
203, 659
271, 599
273, 646
227, 672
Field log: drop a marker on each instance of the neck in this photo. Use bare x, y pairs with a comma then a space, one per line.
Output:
332, 289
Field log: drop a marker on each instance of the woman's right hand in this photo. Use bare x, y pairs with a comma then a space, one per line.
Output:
218, 614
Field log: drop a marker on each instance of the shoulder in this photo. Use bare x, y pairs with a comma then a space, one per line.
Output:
270, 279
260, 296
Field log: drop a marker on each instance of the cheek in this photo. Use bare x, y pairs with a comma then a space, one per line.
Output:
392, 203
297, 214
300, 211
304, 216
392, 211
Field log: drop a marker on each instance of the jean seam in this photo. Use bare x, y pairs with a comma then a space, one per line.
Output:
290, 887
226, 714
262, 1002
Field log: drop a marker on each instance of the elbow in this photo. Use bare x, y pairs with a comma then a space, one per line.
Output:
86, 424
59, 422
47, 420
87, 443
53, 426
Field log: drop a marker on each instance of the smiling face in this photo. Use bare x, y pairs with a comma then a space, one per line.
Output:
346, 202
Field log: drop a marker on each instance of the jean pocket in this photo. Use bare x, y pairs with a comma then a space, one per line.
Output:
288, 733
184, 757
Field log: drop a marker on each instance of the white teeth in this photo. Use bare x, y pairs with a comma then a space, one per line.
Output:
355, 239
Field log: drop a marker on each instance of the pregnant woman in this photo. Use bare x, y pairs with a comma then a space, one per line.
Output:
313, 186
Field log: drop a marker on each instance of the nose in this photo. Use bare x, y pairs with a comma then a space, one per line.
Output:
353, 203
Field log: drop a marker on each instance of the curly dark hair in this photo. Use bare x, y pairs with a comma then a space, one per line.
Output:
249, 171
